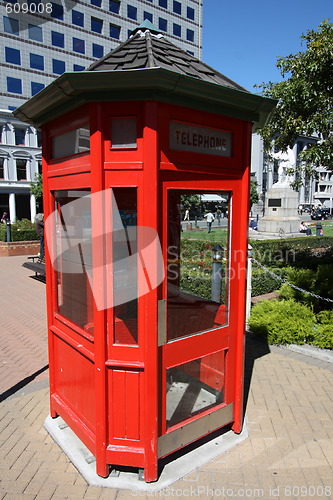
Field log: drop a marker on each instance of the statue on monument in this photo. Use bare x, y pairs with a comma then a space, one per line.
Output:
286, 162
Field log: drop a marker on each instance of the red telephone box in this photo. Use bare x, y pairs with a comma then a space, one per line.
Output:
145, 357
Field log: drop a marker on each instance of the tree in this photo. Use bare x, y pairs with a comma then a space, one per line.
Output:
305, 104
36, 187
254, 197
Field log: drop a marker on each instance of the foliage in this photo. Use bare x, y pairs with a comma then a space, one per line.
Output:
305, 98
282, 322
263, 282
254, 197
190, 201
299, 252
36, 187
317, 281
22, 230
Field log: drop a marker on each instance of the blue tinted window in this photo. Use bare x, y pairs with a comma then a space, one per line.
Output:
35, 33
77, 67
177, 7
10, 25
190, 35
163, 3
190, 13
57, 11
132, 12
58, 39
36, 62
177, 30
114, 31
96, 2
114, 6
77, 18
78, 45
14, 85
147, 15
36, 87
58, 67
98, 50
13, 56
96, 25
162, 24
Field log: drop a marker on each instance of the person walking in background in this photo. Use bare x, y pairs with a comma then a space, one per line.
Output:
40, 234
4, 218
187, 214
209, 218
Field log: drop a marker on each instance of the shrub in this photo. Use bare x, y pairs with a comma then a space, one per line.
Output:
282, 321
22, 230
289, 322
317, 281
263, 282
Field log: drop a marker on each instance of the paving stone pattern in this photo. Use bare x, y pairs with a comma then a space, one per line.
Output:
289, 406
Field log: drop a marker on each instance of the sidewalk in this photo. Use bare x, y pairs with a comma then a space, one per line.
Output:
289, 406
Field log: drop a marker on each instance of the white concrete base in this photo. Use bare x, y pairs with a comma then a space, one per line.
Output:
174, 470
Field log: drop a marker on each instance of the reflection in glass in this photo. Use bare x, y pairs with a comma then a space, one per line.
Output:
74, 256
197, 267
194, 387
72, 142
125, 265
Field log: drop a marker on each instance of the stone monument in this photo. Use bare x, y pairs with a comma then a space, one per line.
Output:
281, 202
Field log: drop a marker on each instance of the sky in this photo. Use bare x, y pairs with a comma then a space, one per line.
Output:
242, 39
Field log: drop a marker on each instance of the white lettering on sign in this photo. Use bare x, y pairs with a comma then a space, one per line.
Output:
184, 137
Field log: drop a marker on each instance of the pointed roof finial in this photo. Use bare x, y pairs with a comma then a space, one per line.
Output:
146, 25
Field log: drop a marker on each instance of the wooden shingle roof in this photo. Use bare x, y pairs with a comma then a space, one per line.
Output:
148, 48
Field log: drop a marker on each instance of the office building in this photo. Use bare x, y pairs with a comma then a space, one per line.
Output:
42, 40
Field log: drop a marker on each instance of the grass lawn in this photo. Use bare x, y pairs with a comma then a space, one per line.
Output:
217, 235
327, 227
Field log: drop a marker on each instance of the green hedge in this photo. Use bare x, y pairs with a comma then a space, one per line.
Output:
22, 230
289, 322
263, 282
303, 252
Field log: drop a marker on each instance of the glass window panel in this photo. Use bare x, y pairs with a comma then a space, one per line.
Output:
190, 35
163, 3
114, 31
123, 132
11, 25
97, 3
19, 136
72, 142
197, 273
190, 13
78, 45
98, 50
177, 29
162, 24
21, 170
147, 15
12, 56
74, 256
96, 25
78, 67
36, 87
77, 18
35, 33
194, 387
177, 7
2, 174
114, 6
37, 62
125, 265
58, 67
14, 85
58, 39
132, 12
57, 11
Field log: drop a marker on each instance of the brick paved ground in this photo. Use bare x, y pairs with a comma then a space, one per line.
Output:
288, 454
23, 332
